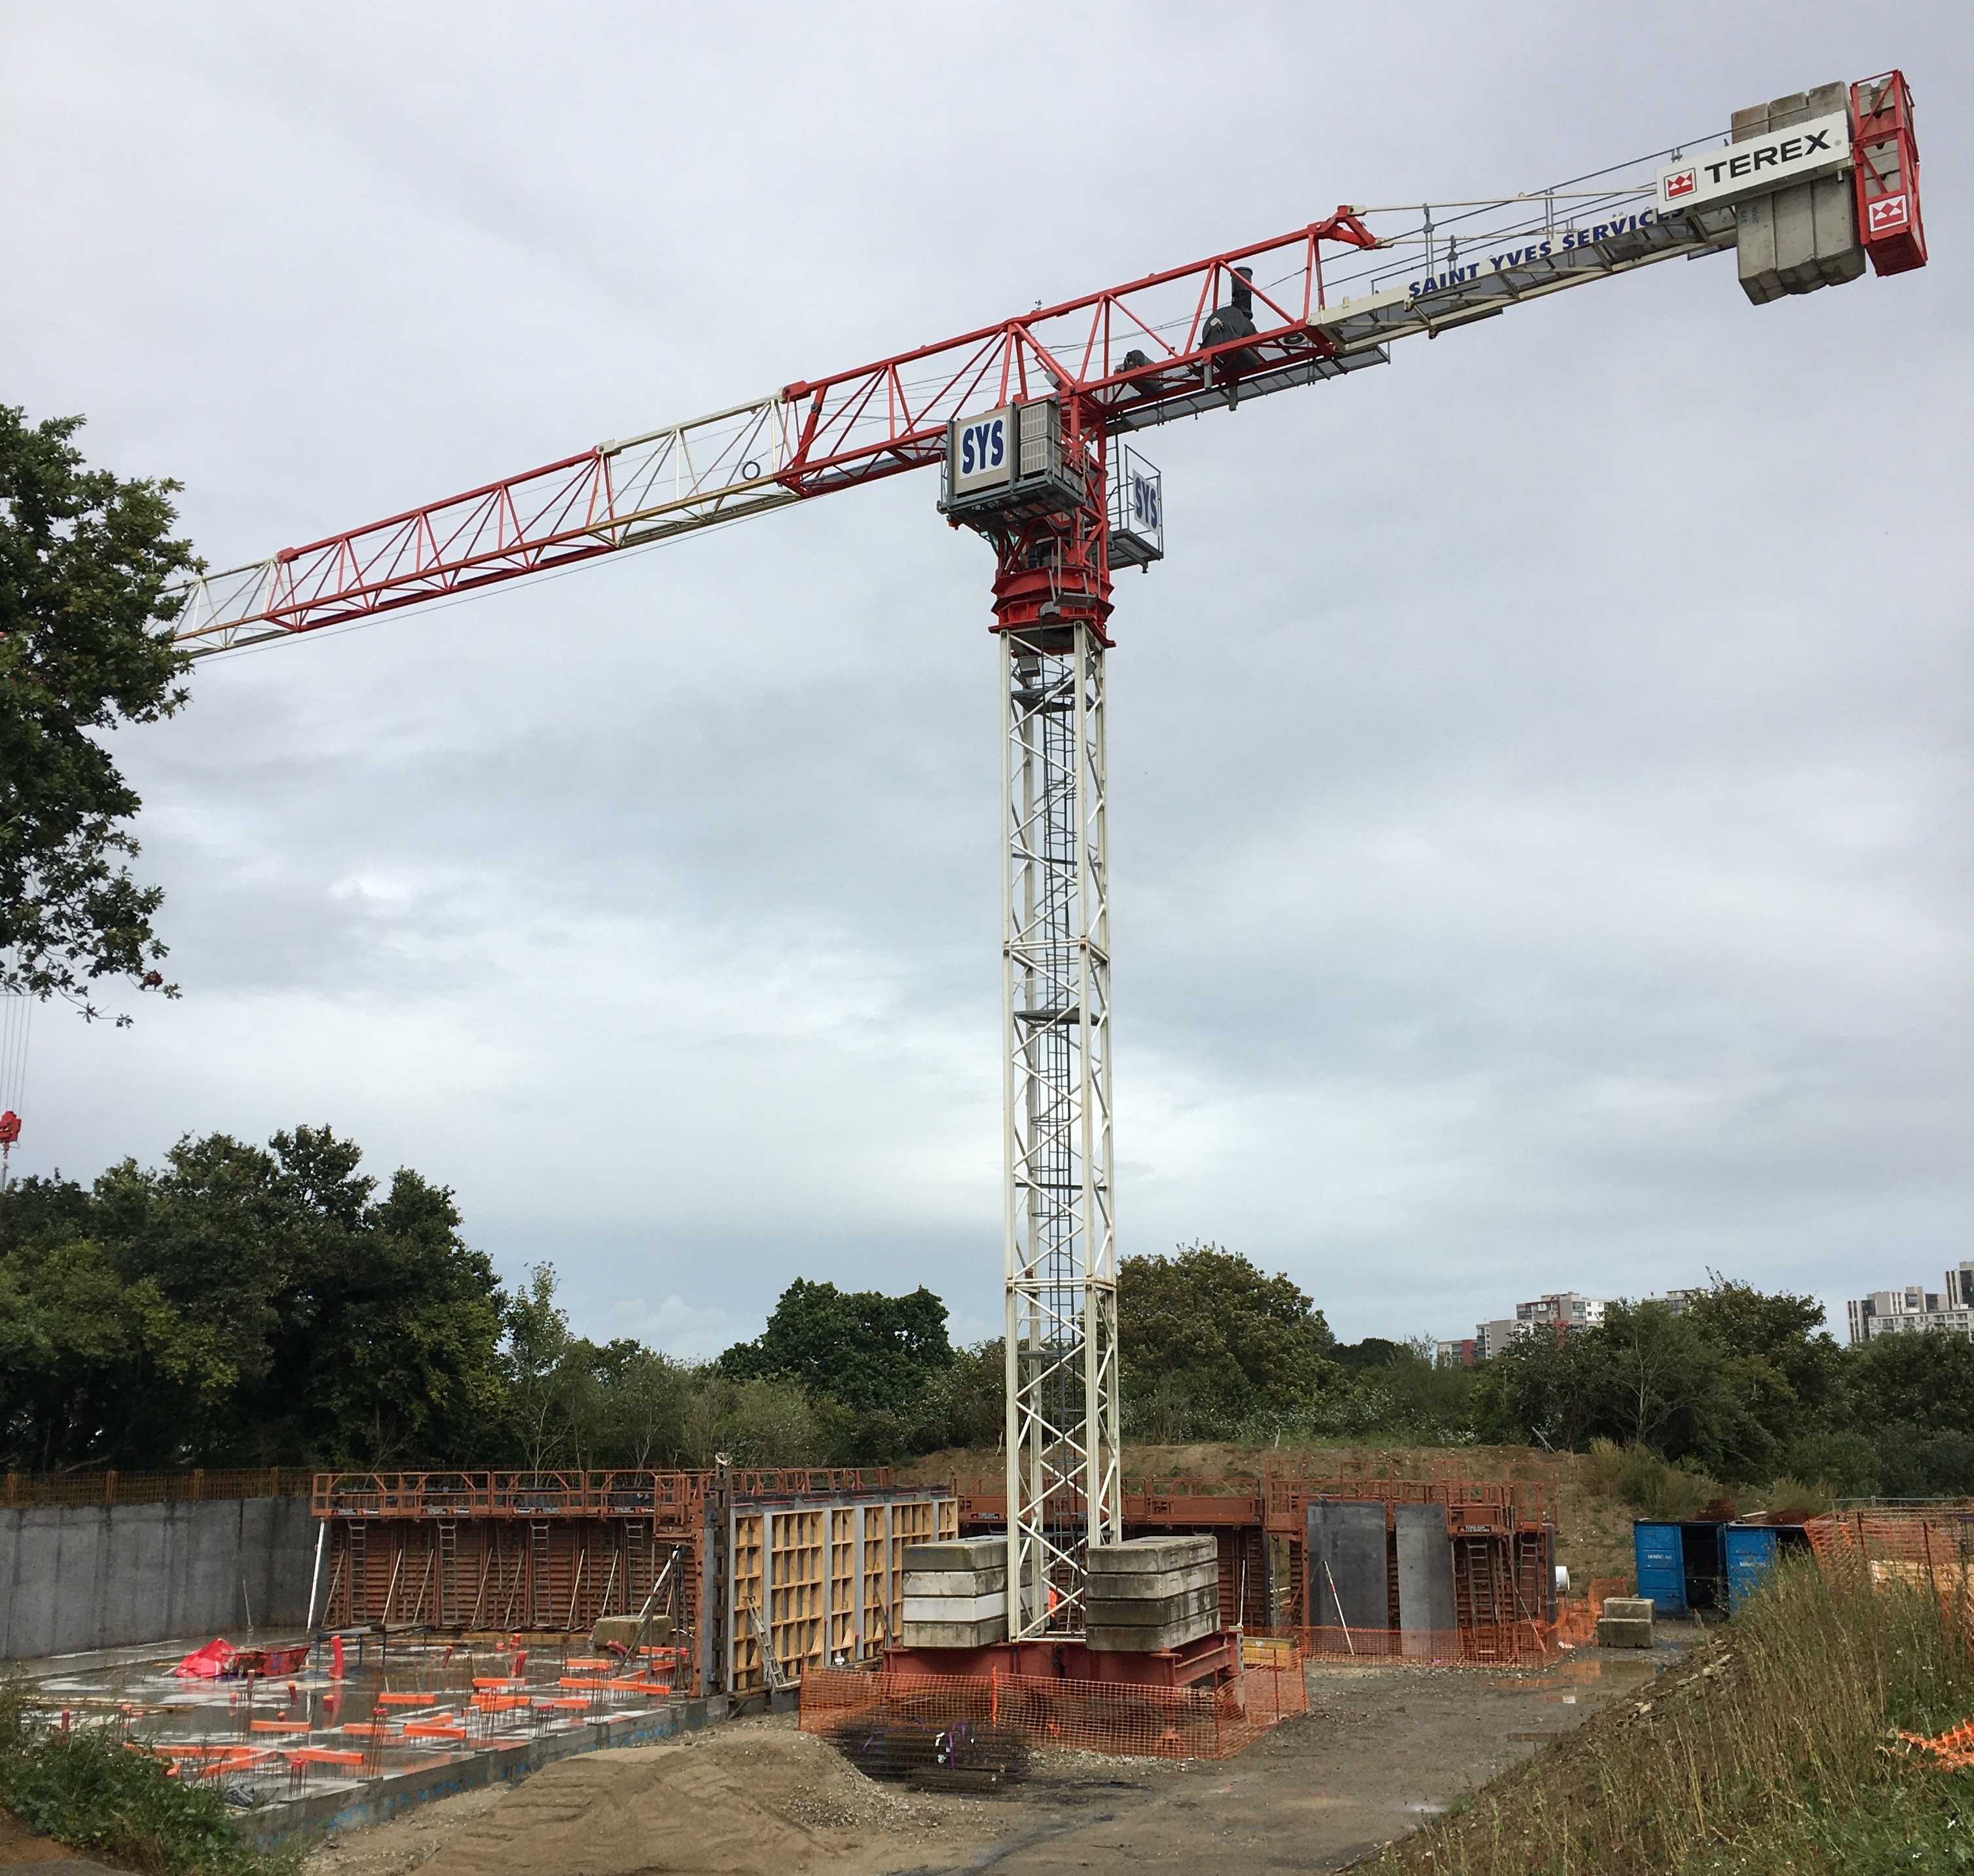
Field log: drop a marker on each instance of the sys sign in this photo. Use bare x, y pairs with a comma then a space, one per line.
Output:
980, 451
1146, 513
1758, 164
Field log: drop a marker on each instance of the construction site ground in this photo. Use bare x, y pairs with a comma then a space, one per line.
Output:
1382, 1750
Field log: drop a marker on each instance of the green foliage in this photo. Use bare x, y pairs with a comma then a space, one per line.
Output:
83, 1788
84, 562
1774, 1748
249, 1306
1745, 1387
1211, 1345
1844, 1463
1651, 1484
242, 1306
863, 1349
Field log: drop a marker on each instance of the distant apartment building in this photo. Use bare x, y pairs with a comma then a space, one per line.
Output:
1950, 1310
1489, 1338
1463, 1353
1559, 1314
1565, 1310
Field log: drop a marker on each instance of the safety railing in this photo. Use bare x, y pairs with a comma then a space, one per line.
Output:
672, 1496
30, 1489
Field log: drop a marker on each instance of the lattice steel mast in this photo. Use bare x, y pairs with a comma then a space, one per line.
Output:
1048, 518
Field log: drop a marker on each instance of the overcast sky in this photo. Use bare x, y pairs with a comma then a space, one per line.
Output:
1539, 771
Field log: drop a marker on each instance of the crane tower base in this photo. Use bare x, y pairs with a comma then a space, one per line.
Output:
1209, 1660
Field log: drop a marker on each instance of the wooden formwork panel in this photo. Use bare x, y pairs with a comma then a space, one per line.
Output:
826, 1581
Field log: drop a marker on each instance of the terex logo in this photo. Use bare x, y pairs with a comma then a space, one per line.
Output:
1680, 182
1887, 213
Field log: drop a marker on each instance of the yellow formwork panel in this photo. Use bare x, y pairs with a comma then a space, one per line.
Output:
798, 1565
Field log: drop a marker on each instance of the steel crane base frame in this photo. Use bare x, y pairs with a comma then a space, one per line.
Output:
1210, 1660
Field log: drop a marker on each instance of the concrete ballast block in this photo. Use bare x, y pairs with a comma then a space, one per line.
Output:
1148, 1556
956, 1583
941, 1635
1154, 1612
625, 1631
967, 1553
1625, 1622
1104, 1640
956, 1608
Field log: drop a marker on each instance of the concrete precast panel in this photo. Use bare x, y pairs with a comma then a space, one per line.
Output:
1347, 1578
1426, 1605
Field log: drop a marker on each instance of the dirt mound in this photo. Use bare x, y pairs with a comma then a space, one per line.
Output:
740, 1802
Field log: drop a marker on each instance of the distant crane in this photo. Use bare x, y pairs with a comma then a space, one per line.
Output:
1027, 420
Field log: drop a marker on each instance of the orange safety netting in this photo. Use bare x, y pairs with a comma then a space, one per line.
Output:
1067, 1716
1939, 1535
1953, 1749
1928, 1546
1529, 1643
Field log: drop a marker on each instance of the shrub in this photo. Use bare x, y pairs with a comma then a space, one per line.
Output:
1846, 1464
1651, 1484
85, 1789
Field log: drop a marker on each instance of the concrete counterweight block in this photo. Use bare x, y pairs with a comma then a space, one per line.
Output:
1625, 1622
1795, 239
1149, 1593
955, 1594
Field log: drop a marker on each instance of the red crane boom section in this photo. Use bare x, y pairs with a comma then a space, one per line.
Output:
1139, 353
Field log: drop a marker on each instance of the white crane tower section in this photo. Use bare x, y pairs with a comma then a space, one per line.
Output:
1064, 1473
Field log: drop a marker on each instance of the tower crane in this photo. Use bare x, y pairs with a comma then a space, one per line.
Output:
1034, 423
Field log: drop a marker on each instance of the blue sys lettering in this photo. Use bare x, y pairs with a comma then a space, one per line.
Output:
983, 447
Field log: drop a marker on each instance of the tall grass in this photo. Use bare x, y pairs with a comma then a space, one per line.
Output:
1772, 1749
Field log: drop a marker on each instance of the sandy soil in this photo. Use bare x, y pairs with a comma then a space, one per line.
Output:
1382, 1749
753, 1796
20, 1850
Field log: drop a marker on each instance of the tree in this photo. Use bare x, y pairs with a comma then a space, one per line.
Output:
243, 1306
84, 1356
1923, 1381
85, 560
1784, 1332
538, 1347
858, 1347
1204, 1324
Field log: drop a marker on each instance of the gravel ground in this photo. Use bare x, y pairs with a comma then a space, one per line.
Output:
1382, 1749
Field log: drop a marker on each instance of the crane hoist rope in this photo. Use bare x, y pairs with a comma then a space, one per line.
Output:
1029, 422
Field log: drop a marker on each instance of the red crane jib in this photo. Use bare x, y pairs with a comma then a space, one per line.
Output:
1130, 350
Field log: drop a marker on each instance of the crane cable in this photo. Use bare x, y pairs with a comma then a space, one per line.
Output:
17, 1010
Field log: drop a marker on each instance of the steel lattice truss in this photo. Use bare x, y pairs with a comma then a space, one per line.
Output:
1064, 1481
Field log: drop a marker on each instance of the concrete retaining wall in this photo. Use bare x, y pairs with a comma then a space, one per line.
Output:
102, 1576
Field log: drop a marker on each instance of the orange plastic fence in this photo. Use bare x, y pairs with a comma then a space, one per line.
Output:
1953, 1749
1940, 1535
1067, 1716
